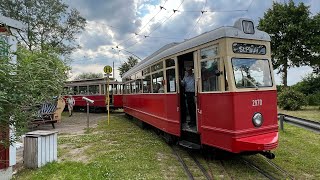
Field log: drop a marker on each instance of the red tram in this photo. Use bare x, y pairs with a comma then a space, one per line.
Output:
235, 91
94, 89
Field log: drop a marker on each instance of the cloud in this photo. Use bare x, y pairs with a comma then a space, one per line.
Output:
114, 22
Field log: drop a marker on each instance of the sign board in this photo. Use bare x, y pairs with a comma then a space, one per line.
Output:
107, 69
244, 48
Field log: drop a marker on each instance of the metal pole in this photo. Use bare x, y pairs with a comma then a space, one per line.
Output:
113, 69
281, 122
87, 115
108, 99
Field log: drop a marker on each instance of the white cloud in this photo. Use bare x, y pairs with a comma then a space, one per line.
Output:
128, 17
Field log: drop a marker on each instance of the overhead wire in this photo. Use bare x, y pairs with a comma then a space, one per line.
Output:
167, 18
174, 11
136, 33
202, 12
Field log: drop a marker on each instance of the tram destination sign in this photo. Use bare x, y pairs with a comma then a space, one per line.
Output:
245, 48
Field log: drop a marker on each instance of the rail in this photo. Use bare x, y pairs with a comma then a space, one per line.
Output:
304, 123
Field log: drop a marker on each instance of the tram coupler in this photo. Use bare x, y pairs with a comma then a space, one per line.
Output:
268, 154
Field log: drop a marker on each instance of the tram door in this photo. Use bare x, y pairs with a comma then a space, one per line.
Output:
187, 86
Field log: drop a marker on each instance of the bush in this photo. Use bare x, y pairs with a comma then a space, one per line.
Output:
314, 99
280, 88
290, 99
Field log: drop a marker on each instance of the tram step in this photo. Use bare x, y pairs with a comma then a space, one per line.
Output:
189, 145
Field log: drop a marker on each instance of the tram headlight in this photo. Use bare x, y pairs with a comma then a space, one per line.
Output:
257, 119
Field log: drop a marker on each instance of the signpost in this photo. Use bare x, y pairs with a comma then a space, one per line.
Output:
108, 71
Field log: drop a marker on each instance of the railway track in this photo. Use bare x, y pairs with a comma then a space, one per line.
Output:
265, 173
186, 167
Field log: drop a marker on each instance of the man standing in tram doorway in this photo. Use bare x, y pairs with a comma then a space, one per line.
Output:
188, 83
70, 102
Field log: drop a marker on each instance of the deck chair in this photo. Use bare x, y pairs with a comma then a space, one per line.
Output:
45, 115
59, 109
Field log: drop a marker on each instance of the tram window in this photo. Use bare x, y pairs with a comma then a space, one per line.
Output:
147, 84
226, 84
65, 90
171, 80
94, 89
209, 52
251, 73
169, 63
138, 86
128, 88
146, 71
74, 90
110, 88
115, 89
208, 75
157, 82
103, 88
157, 67
83, 89
133, 87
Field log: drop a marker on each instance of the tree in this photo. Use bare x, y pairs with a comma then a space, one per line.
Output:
50, 24
88, 76
292, 32
310, 84
36, 78
126, 66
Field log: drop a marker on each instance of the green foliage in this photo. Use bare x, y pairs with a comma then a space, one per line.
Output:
309, 84
126, 66
294, 36
280, 88
50, 23
34, 79
314, 99
290, 99
88, 76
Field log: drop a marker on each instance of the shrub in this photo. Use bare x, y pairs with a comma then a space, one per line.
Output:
314, 99
290, 99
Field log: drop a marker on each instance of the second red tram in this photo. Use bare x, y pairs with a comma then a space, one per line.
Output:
94, 89
235, 92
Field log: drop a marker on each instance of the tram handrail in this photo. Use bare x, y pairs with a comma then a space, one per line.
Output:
304, 123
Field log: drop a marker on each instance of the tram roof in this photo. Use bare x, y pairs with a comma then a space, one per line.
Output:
235, 31
91, 81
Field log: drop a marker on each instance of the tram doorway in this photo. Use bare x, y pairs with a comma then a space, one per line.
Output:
188, 92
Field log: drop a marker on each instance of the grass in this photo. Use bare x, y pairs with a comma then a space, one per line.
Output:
124, 151
111, 152
308, 112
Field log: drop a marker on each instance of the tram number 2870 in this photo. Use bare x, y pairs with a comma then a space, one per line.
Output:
257, 102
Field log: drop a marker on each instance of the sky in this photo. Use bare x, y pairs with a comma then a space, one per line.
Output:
141, 27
